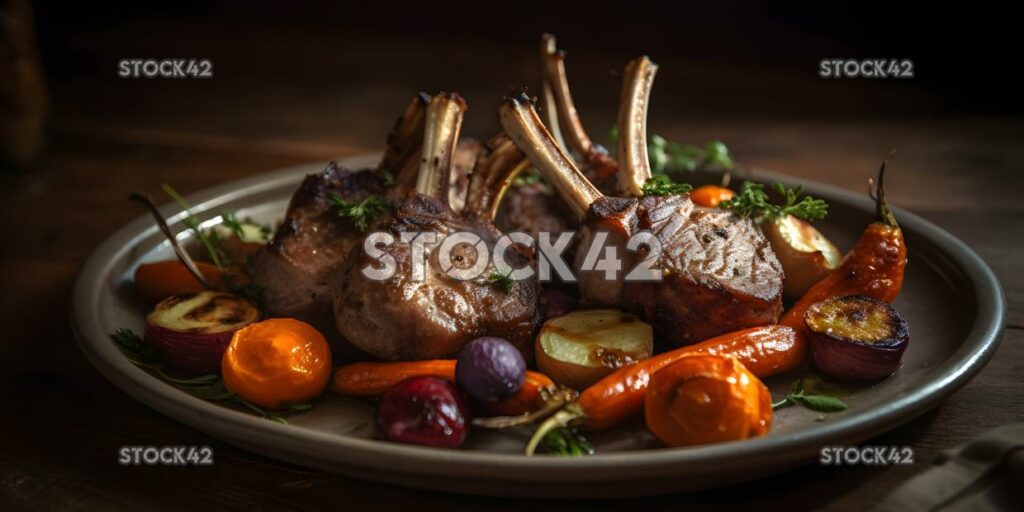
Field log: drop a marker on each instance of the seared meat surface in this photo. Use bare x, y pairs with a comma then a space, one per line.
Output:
405, 318
295, 268
531, 208
410, 315
718, 272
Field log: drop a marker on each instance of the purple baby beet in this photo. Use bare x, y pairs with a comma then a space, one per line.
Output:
490, 369
426, 411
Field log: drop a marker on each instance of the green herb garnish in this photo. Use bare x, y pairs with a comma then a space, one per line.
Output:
662, 185
667, 156
360, 213
815, 402
752, 201
211, 242
206, 387
503, 282
566, 442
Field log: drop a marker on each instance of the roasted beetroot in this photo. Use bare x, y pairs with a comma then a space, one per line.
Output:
856, 337
424, 410
193, 330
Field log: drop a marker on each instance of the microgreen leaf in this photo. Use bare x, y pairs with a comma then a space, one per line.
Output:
662, 185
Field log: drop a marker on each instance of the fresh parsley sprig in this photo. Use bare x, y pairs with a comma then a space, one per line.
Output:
752, 201
815, 402
662, 185
359, 213
206, 387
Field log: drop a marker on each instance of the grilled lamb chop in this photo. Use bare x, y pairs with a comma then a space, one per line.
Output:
294, 269
718, 272
409, 317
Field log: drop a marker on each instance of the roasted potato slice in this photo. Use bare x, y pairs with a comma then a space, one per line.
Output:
580, 348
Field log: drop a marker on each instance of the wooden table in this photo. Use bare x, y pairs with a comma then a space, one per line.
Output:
62, 422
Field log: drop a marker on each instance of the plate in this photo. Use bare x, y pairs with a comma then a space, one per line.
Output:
952, 300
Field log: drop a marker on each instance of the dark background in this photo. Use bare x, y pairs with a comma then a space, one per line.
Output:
306, 83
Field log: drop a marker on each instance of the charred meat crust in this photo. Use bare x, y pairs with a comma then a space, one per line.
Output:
400, 318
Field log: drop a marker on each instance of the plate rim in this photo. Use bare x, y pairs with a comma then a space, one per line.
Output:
979, 344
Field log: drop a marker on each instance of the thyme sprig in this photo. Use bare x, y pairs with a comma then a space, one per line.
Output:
359, 213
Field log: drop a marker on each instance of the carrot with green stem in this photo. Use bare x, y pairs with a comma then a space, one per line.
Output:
874, 267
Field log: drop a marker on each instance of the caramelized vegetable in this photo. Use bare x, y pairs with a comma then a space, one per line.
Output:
764, 351
856, 337
157, 281
277, 362
873, 268
710, 195
806, 255
702, 399
193, 330
578, 349
375, 379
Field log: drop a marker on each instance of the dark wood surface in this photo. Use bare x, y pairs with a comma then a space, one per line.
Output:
62, 422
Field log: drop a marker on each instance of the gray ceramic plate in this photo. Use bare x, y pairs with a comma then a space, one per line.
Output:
951, 298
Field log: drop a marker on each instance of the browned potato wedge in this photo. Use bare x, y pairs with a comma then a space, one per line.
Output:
806, 255
580, 348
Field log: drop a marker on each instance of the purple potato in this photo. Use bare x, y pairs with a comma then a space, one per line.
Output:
490, 369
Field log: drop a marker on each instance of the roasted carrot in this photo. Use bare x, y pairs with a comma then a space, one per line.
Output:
710, 195
702, 399
873, 268
764, 351
157, 281
375, 379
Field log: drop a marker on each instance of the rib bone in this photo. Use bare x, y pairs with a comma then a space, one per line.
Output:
441, 134
492, 175
519, 118
557, 81
634, 167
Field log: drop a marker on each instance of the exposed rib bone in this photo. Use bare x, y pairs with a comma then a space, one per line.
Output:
441, 135
404, 145
522, 125
634, 167
556, 78
550, 106
492, 176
